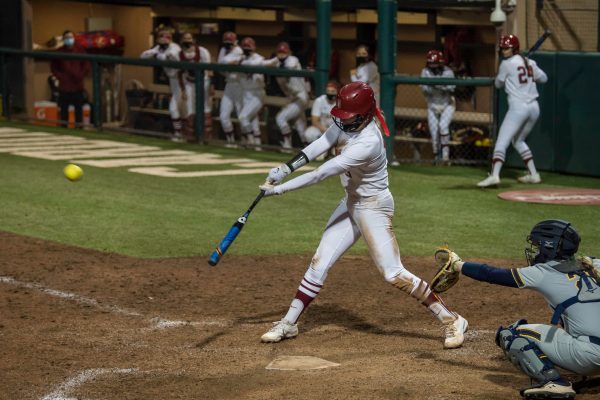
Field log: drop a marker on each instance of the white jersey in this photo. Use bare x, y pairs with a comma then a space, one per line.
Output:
171, 53
233, 56
438, 95
361, 162
518, 80
368, 73
292, 86
200, 55
252, 81
322, 109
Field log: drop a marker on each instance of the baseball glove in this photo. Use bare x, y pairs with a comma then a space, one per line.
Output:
447, 276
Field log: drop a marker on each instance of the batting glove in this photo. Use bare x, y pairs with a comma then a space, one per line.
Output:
278, 174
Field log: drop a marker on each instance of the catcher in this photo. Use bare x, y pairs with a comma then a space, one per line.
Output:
570, 286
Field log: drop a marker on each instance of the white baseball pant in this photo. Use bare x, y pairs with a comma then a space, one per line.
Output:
293, 111
175, 98
232, 100
516, 126
252, 101
439, 119
190, 102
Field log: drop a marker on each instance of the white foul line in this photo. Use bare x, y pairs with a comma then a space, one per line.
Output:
60, 393
157, 322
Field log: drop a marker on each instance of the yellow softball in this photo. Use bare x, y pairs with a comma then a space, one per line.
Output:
73, 172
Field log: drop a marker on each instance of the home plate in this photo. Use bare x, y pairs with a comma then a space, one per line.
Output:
299, 363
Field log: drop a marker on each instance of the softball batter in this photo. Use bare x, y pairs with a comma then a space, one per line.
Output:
517, 75
366, 210
571, 287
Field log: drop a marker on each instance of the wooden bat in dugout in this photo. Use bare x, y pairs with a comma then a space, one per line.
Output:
233, 233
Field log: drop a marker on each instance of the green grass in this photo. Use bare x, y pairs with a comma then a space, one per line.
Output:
114, 210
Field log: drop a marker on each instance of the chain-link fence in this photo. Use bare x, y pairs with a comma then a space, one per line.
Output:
447, 122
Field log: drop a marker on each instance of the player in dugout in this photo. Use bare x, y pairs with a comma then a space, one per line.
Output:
571, 287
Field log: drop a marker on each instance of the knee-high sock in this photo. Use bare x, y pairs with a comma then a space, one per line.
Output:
307, 291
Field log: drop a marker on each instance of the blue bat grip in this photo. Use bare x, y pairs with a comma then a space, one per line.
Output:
226, 242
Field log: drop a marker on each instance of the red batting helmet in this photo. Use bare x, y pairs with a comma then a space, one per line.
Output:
435, 57
283, 47
229, 37
355, 99
248, 44
509, 42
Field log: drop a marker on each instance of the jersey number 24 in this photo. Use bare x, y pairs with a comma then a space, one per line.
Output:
524, 74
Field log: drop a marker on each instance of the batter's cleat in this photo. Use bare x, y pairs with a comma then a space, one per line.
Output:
491, 180
455, 333
280, 330
551, 390
529, 178
177, 138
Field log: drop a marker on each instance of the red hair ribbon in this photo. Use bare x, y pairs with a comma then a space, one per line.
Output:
381, 119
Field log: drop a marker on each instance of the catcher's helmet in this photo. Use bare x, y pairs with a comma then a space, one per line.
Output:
356, 102
435, 57
229, 37
283, 47
248, 44
551, 239
509, 42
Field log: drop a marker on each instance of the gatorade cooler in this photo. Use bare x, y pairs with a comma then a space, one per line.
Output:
46, 113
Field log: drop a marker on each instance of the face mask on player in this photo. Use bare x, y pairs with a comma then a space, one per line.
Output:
361, 60
228, 46
187, 45
247, 52
331, 97
69, 41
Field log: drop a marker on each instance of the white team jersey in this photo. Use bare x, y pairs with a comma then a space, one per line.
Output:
204, 57
368, 73
234, 56
171, 53
361, 157
438, 95
322, 108
292, 86
518, 81
252, 81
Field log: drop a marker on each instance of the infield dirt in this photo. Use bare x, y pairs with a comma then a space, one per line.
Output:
76, 323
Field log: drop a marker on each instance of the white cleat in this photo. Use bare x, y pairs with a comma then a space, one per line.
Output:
455, 333
280, 330
489, 181
550, 390
177, 138
535, 178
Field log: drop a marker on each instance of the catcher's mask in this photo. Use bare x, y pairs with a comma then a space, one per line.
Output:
551, 240
355, 107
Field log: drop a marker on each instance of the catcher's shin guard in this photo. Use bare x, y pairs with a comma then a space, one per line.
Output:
519, 345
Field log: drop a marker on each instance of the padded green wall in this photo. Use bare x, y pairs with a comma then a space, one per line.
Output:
566, 137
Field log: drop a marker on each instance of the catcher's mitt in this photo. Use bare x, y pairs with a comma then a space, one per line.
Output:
446, 276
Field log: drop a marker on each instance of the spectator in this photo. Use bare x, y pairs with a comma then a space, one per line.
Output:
70, 75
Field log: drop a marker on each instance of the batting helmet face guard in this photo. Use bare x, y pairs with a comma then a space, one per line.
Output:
435, 57
551, 239
248, 44
355, 107
229, 37
509, 42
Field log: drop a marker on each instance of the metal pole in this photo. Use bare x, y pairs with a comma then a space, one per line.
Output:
97, 96
323, 45
199, 106
5, 111
386, 35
